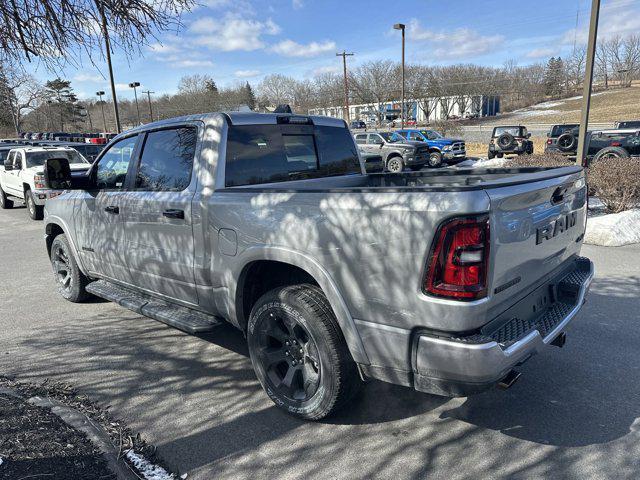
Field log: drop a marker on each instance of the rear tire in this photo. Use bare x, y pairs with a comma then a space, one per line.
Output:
5, 203
36, 212
70, 280
299, 354
499, 155
611, 152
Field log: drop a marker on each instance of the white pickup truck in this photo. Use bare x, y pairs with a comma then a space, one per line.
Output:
23, 176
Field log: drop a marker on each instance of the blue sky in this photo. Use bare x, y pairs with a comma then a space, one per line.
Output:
239, 40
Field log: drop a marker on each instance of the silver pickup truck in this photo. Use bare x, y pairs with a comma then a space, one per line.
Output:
442, 281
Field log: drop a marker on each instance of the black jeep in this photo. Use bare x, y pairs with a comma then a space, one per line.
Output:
563, 139
514, 139
616, 143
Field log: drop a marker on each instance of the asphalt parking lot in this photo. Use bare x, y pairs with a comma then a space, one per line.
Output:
575, 413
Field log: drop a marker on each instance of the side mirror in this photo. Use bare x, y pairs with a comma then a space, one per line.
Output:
8, 164
528, 135
57, 174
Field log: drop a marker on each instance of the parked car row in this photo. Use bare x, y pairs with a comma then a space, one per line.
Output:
409, 148
71, 137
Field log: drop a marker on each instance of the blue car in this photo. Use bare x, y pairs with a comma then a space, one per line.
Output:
451, 150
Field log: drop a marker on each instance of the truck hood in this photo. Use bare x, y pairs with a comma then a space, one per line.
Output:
441, 142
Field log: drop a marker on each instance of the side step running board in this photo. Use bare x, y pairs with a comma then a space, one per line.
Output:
182, 318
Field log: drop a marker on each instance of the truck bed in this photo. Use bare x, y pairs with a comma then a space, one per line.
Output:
452, 180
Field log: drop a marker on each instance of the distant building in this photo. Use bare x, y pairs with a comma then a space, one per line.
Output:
422, 110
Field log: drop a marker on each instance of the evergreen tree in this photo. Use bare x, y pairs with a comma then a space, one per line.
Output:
554, 77
249, 96
60, 96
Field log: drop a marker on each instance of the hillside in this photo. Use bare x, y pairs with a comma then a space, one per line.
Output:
606, 107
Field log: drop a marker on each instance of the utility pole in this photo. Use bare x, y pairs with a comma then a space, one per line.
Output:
401, 26
107, 48
149, 92
344, 56
104, 119
135, 94
588, 83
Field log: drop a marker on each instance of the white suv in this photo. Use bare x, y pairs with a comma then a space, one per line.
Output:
23, 176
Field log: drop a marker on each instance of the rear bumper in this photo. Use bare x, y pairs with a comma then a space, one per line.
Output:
556, 150
466, 365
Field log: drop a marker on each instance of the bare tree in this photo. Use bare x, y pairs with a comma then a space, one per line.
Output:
19, 93
374, 83
55, 30
276, 90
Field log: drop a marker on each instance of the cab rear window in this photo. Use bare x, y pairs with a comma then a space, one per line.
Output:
277, 153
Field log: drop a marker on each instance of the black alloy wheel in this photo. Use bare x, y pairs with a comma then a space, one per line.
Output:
299, 353
289, 356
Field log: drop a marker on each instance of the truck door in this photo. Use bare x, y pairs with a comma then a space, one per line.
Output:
13, 183
157, 214
99, 225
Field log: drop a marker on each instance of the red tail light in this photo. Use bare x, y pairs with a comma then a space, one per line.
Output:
549, 141
459, 259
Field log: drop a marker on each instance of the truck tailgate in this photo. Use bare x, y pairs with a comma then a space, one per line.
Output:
535, 227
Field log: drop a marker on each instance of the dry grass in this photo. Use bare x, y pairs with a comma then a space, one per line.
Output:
478, 149
607, 106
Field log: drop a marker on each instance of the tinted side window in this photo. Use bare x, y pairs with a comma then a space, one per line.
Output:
255, 154
361, 138
112, 169
277, 153
167, 160
338, 154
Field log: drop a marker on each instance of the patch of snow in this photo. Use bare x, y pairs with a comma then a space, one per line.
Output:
533, 113
148, 470
492, 163
614, 230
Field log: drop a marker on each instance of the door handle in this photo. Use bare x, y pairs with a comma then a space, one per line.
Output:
174, 213
112, 209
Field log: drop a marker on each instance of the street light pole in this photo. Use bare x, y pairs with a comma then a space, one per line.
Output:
104, 119
107, 49
149, 92
401, 26
588, 82
344, 56
135, 94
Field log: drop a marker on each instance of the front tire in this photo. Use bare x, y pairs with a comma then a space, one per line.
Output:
435, 159
36, 212
70, 280
5, 203
299, 354
395, 165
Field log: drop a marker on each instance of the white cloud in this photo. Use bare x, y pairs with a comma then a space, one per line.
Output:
620, 17
460, 43
232, 33
88, 77
297, 4
289, 48
541, 53
163, 48
325, 69
186, 63
246, 73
